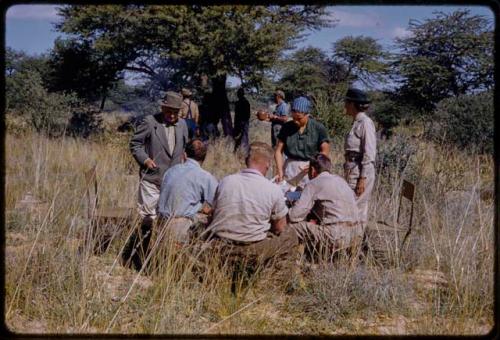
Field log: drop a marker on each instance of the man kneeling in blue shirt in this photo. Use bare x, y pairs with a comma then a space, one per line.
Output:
187, 194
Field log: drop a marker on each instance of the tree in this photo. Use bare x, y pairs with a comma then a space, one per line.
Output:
306, 71
362, 59
449, 55
77, 67
216, 41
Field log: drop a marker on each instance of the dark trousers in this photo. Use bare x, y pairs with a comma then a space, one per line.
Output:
137, 248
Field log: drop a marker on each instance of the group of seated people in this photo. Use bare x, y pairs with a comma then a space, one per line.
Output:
250, 213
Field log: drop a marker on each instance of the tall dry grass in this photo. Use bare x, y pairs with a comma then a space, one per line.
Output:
55, 284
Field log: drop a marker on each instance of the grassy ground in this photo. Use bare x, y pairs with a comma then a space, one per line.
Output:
441, 282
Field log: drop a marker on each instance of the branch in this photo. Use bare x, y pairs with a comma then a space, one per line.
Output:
145, 70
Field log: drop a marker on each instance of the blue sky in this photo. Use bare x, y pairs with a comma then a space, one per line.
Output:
30, 27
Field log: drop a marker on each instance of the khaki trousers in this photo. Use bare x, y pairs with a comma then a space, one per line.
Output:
324, 240
149, 194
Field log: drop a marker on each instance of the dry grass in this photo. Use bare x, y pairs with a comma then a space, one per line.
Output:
54, 284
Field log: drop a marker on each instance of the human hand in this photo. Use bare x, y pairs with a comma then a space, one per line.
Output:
304, 168
149, 163
360, 186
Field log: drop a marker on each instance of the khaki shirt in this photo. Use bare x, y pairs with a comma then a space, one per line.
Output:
329, 198
362, 139
184, 111
244, 205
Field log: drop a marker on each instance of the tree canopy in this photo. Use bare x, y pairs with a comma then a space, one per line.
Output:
449, 55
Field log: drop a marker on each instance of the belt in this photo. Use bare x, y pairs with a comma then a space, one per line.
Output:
353, 156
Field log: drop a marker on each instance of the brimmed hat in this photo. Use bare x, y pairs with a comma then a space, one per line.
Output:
357, 96
301, 104
280, 93
172, 100
186, 92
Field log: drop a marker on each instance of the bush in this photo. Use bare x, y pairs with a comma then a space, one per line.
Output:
466, 121
84, 121
329, 109
387, 113
48, 113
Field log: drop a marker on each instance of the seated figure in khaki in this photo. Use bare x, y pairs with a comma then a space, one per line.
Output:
249, 221
187, 193
326, 215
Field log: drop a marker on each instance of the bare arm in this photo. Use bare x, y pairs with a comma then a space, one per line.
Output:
278, 157
324, 148
278, 226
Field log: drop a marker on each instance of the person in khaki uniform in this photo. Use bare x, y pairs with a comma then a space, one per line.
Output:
360, 150
190, 113
249, 218
330, 204
157, 144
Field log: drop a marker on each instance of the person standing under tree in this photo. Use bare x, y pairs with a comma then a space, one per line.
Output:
279, 117
241, 121
189, 112
360, 150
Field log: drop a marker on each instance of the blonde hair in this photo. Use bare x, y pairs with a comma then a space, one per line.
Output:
259, 152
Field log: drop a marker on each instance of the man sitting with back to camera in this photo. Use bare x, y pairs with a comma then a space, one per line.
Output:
330, 204
250, 213
187, 193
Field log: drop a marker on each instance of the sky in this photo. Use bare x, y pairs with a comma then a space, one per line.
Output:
30, 27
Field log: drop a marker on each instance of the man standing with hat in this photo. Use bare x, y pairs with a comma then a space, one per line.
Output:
279, 117
300, 139
158, 143
360, 150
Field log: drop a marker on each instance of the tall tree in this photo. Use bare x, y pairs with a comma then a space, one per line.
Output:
449, 55
362, 59
305, 71
216, 41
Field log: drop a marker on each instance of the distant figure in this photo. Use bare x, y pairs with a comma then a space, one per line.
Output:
189, 112
279, 117
187, 193
209, 118
158, 143
360, 150
331, 205
300, 139
241, 120
250, 212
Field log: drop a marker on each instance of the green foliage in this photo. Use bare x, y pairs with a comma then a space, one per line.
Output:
362, 57
329, 109
305, 72
85, 120
387, 112
212, 40
47, 112
466, 121
448, 55
75, 66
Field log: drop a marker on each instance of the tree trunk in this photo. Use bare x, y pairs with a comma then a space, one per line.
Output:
103, 100
221, 103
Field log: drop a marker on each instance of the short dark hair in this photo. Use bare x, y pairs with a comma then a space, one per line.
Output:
196, 150
320, 163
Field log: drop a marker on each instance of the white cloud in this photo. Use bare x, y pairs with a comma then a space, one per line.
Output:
39, 12
358, 20
400, 32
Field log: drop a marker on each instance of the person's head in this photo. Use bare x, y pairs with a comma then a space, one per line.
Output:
355, 101
170, 106
196, 149
240, 93
260, 157
279, 96
301, 107
186, 93
317, 164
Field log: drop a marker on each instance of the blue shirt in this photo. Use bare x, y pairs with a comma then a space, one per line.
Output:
184, 189
281, 109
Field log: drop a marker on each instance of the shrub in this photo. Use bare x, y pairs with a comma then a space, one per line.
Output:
394, 155
47, 112
387, 113
466, 121
329, 109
